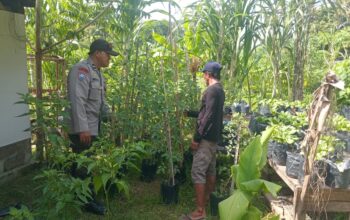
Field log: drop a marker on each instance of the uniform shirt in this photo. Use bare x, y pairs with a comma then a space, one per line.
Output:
210, 116
86, 93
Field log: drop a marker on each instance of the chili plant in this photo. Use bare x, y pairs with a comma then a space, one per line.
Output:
108, 165
62, 195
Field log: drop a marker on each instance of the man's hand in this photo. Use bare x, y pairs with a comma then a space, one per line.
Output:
194, 145
85, 137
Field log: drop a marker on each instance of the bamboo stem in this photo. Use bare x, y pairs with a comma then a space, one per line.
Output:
168, 128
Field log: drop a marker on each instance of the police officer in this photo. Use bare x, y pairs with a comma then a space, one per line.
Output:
86, 94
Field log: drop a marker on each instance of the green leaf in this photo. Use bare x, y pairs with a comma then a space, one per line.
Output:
82, 198
160, 39
249, 161
97, 180
90, 167
263, 142
259, 184
234, 171
253, 213
252, 186
234, 207
271, 216
59, 206
21, 102
123, 187
271, 187
24, 114
105, 177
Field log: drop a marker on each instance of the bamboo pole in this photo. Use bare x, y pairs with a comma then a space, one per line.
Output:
173, 53
168, 128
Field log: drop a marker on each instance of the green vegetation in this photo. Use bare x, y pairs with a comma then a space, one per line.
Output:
246, 175
274, 53
144, 201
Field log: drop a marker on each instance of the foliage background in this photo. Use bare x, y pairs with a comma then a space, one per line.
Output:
270, 49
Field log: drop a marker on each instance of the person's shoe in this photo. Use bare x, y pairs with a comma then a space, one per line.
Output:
197, 215
95, 207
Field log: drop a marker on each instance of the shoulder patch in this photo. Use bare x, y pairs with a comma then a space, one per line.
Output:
83, 70
81, 76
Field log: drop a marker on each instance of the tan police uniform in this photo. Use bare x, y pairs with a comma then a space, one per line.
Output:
86, 93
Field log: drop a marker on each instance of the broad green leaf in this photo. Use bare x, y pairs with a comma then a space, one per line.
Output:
253, 213
234, 207
263, 142
252, 185
249, 161
271, 187
259, 184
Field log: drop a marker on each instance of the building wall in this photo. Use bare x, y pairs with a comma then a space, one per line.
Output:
14, 141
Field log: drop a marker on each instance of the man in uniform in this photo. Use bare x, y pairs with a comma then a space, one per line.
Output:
86, 93
206, 138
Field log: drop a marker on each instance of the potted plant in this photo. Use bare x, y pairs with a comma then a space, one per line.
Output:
264, 108
282, 139
149, 163
258, 123
169, 188
294, 164
341, 172
329, 151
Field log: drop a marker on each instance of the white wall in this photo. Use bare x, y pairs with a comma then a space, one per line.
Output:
13, 78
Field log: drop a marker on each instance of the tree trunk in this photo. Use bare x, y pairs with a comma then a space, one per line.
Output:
39, 86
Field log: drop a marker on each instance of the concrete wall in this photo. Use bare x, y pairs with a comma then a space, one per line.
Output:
14, 141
